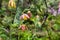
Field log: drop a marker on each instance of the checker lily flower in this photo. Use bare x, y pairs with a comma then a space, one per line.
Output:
11, 4
24, 17
23, 27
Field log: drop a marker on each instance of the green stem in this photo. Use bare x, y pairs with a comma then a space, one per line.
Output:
18, 11
0, 4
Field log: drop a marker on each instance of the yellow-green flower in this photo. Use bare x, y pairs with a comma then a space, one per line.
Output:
11, 4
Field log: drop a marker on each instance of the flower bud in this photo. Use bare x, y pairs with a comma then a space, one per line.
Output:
37, 16
29, 13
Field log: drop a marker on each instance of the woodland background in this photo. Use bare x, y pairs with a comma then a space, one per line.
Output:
29, 20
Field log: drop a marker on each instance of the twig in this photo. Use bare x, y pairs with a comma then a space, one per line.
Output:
5, 30
45, 15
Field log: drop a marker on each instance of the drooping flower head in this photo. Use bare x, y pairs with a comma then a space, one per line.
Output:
12, 4
24, 17
23, 27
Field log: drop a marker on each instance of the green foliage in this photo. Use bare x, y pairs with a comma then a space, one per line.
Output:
14, 28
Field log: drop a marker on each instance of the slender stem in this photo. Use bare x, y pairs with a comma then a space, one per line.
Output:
46, 3
5, 30
0, 4
46, 17
46, 13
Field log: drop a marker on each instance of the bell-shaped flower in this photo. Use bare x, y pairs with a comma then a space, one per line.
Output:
24, 17
23, 27
12, 4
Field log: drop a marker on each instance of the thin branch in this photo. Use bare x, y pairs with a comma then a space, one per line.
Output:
5, 30
46, 13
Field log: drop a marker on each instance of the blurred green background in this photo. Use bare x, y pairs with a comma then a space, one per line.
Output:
29, 20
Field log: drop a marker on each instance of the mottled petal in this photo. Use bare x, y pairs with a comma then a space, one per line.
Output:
27, 16
24, 16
